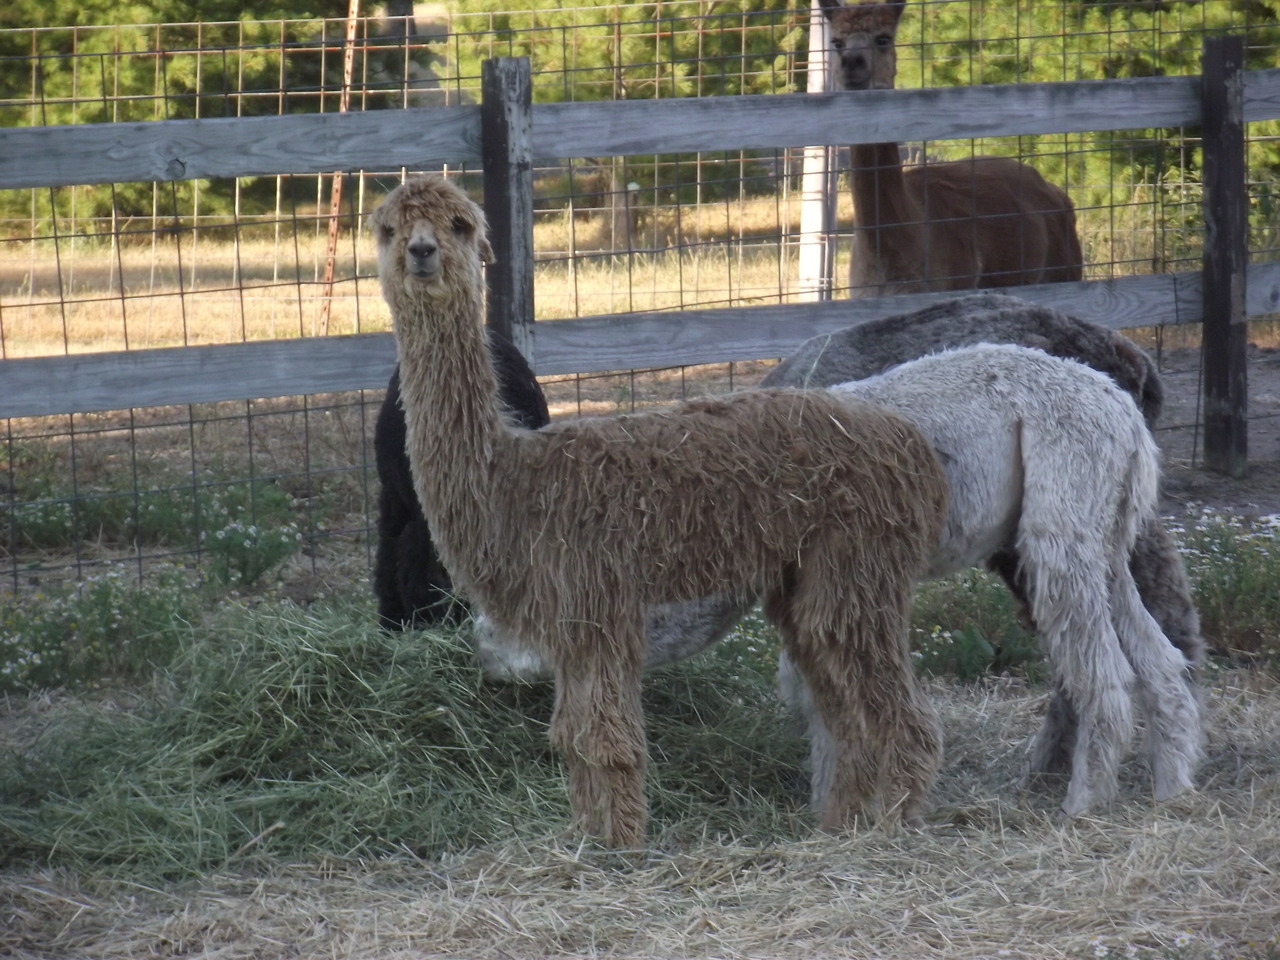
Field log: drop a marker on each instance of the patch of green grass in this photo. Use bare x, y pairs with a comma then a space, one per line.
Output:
274, 732
247, 528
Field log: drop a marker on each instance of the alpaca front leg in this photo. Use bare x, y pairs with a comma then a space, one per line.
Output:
598, 726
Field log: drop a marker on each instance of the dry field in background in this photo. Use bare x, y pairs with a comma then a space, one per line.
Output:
94, 296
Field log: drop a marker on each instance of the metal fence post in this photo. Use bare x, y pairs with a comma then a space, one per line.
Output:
506, 127
1226, 256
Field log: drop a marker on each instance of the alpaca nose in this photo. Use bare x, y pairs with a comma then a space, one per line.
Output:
857, 71
422, 249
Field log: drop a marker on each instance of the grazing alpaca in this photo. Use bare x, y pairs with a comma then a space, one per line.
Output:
861, 351
411, 585
565, 535
980, 222
1049, 460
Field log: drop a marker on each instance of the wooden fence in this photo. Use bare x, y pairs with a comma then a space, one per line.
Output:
506, 134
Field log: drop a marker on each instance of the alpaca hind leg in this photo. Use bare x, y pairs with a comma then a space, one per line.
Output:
1175, 734
794, 692
1161, 578
1158, 571
1055, 744
1070, 602
598, 726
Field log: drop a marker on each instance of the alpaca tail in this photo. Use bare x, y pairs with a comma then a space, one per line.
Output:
1140, 493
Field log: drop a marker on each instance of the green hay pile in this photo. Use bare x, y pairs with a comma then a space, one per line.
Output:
284, 734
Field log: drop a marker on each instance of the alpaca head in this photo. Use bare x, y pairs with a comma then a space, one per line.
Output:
431, 243
862, 35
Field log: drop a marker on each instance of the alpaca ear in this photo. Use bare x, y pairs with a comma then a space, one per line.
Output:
829, 7
899, 6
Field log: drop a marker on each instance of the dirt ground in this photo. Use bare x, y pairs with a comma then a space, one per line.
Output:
1186, 481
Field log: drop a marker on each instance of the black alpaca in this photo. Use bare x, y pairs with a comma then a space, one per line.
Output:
412, 586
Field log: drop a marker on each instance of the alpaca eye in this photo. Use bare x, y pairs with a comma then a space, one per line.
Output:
837, 44
387, 233
461, 226
884, 40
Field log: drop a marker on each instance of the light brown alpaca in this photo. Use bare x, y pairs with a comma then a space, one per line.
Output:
565, 535
980, 222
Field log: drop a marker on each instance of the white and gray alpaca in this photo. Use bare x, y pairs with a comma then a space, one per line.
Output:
1049, 461
858, 352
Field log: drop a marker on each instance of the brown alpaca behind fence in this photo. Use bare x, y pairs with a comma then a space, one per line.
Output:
566, 535
978, 222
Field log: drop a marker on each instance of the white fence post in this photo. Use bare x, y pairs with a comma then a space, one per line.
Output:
817, 196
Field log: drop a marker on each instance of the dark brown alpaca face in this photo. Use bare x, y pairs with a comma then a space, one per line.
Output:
430, 235
862, 36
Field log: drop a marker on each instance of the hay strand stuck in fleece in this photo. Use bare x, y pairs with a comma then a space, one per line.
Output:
565, 536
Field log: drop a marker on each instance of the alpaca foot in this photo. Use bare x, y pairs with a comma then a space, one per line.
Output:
1168, 788
608, 803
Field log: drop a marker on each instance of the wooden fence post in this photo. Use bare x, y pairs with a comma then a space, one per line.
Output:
506, 128
1226, 256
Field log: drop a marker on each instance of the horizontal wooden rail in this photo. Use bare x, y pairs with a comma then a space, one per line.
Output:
43, 386
427, 137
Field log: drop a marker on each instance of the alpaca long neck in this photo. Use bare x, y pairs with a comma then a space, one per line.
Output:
879, 187
454, 426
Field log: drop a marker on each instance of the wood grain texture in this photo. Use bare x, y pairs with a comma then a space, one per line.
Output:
43, 386
420, 139
1226, 258
425, 137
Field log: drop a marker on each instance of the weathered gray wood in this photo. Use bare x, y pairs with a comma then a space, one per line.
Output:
42, 386
869, 116
506, 85
663, 339
80, 383
1226, 256
420, 138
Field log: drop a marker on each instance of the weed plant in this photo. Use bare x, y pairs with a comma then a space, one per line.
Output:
111, 624
1234, 566
968, 626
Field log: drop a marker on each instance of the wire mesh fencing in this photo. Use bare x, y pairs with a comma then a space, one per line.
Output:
280, 491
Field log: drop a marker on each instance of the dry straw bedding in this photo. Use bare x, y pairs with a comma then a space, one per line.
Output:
990, 875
